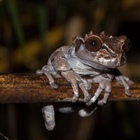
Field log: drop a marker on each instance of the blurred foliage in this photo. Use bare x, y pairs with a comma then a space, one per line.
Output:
31, 30
12, 11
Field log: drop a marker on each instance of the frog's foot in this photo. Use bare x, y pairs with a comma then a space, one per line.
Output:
104, 84
51, 80
76, 81
48, 71
126, 82
104, 100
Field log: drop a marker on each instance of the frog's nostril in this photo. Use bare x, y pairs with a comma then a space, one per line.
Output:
104, 53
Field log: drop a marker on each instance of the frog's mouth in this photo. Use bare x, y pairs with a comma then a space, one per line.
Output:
106, 58
103, 60
109, 58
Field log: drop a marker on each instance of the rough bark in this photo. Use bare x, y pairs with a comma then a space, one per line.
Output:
31, 88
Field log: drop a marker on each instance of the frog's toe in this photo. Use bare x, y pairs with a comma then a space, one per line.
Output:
89, 103
74, 99
53, 85
39, 72
57, 75
130, 82
87, 98
101, 102
127, 92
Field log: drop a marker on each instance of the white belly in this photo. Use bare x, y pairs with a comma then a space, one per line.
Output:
81, 68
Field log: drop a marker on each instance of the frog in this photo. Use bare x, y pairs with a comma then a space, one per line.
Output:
97, 56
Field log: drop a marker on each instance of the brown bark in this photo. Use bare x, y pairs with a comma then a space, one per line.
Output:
31, 88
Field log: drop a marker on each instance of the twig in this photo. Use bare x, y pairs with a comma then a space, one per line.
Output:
31, 88
4, 136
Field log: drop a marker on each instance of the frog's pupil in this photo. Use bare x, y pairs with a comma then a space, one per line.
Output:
93, 43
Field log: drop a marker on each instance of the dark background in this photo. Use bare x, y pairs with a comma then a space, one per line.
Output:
31, 30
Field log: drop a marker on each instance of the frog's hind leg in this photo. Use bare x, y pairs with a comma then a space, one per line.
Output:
49, 116
76, 81
47, 71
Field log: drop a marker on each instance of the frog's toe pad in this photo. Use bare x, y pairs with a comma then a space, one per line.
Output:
101, 102
74, 99
50, 127
53, 85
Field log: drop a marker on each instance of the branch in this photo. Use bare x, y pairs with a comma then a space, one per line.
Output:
31, 88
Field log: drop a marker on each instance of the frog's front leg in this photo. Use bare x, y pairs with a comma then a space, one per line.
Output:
125, 81
76, 81
47, 70
104, 84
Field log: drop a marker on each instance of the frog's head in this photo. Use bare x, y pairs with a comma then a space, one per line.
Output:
102, 51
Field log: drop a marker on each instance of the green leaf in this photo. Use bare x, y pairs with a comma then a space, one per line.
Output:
12, 9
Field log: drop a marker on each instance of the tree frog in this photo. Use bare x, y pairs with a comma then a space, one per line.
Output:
95, 55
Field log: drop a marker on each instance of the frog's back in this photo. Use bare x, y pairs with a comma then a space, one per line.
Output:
57, 59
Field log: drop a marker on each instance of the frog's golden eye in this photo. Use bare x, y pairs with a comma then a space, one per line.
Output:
127, 45
93, 43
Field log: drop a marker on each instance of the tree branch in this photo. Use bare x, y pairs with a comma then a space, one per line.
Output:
31, 88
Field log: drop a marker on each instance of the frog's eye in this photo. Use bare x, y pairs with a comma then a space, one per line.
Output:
127, 45
93, 43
